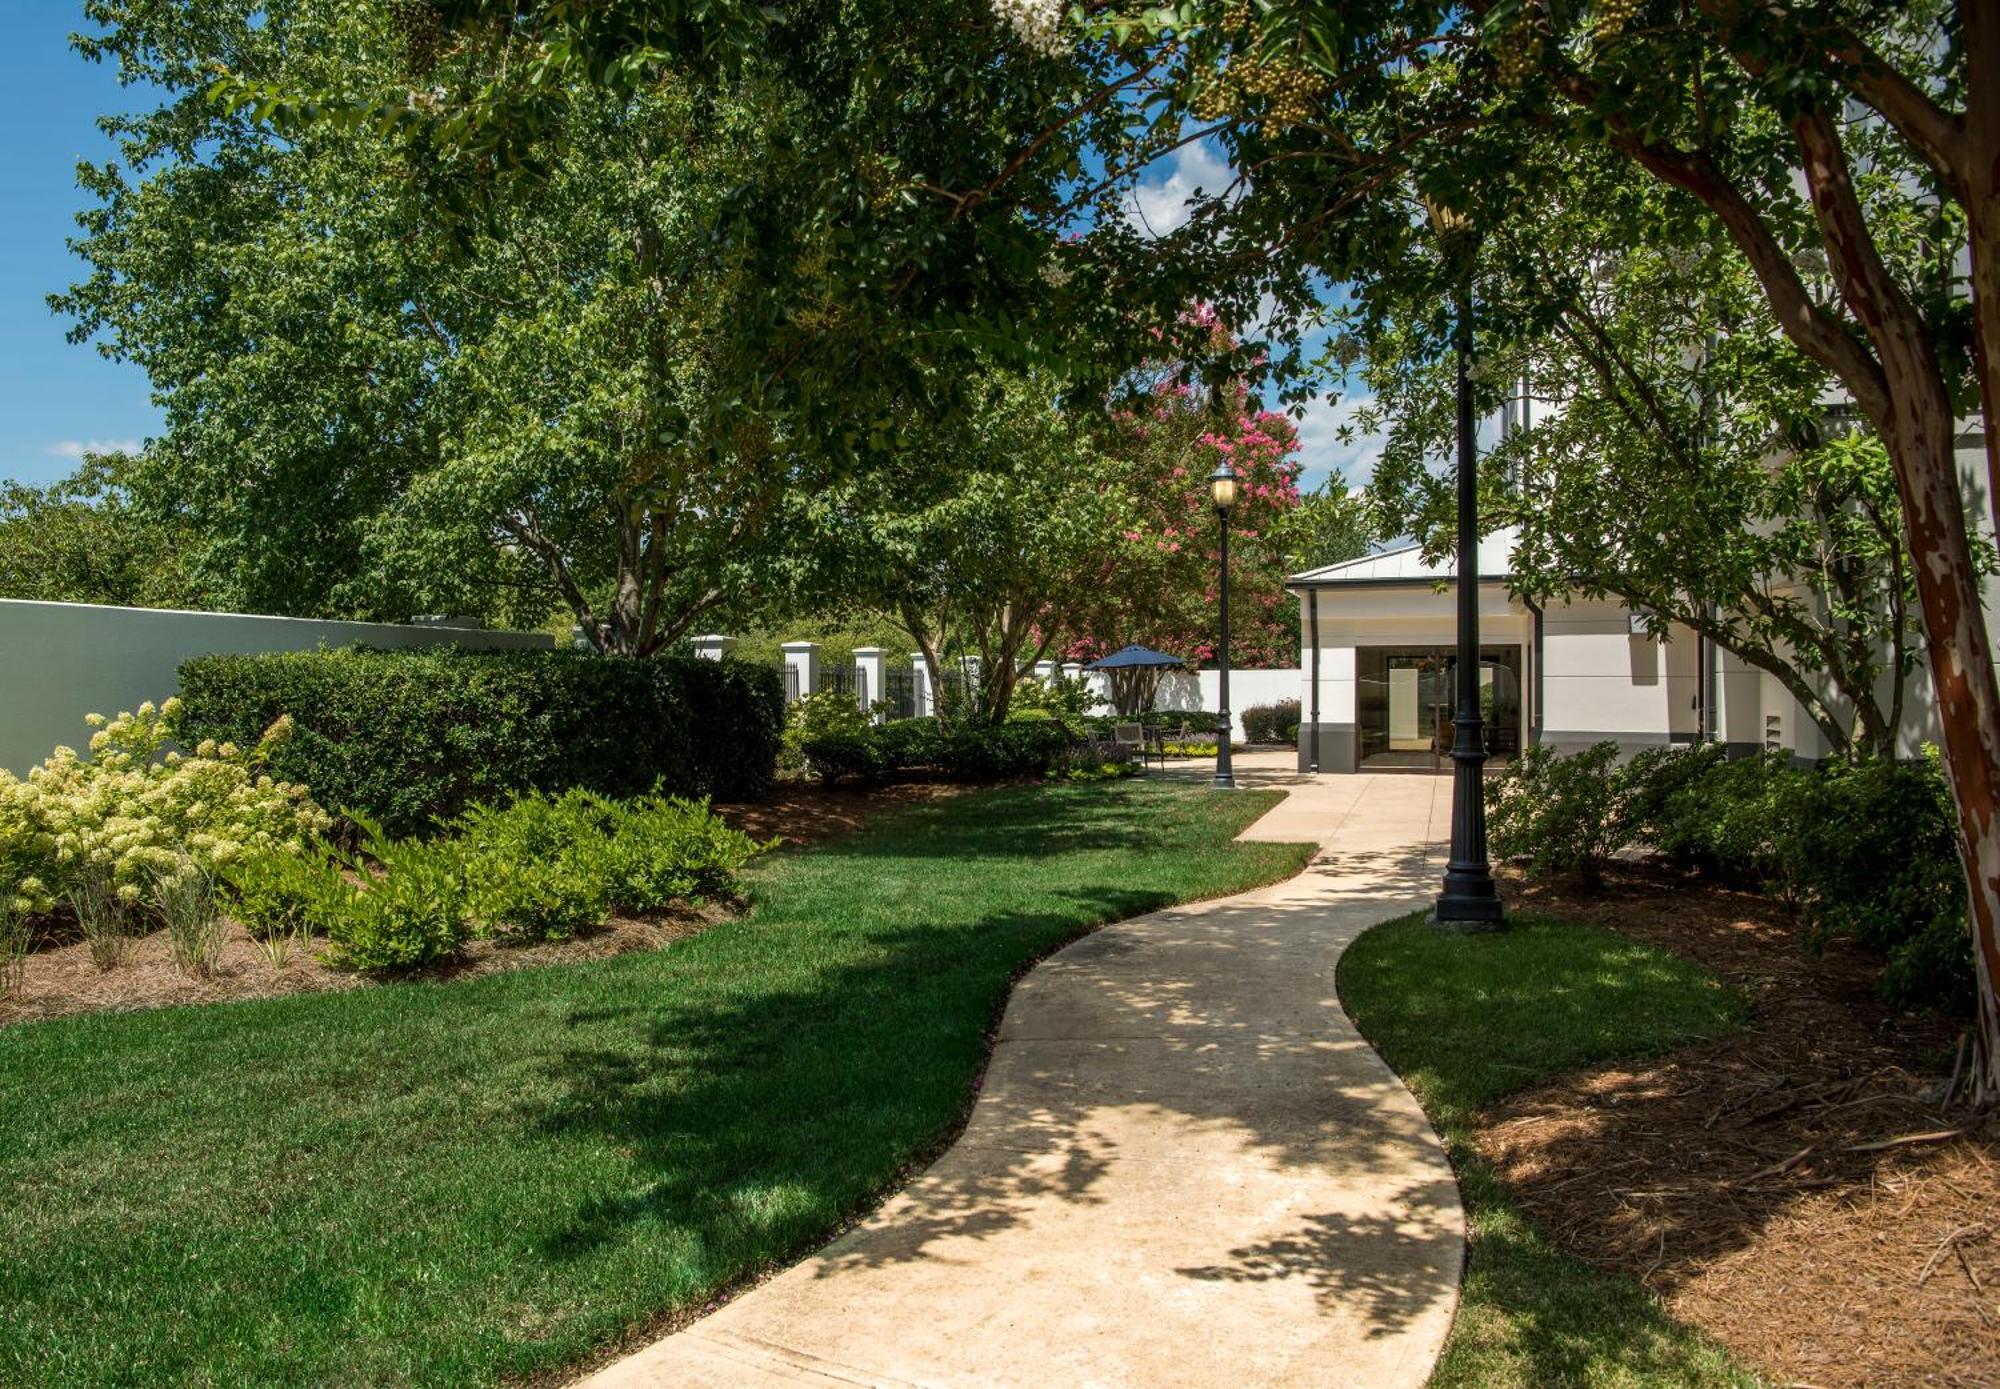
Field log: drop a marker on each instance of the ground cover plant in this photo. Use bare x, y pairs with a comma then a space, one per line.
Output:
1465, 1021
465, 1182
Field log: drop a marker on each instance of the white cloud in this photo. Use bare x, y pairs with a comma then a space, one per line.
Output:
1321, 450
1159, 206
77, 448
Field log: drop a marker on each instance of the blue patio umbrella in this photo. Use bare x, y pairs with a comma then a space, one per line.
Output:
1135, 675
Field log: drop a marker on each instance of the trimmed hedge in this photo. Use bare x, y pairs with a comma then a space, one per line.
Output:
970, 752
412, 738
1272, 723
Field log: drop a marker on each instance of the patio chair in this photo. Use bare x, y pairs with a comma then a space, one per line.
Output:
1133, 736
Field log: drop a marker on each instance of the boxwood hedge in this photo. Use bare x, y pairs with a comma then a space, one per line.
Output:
411, 738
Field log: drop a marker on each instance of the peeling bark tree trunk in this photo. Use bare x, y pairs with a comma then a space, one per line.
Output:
1916, 424
1978, 168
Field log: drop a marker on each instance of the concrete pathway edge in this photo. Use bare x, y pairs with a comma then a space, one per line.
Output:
1185, 1166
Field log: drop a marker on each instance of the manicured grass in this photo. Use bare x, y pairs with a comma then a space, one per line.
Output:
1466, 1019
465, 1182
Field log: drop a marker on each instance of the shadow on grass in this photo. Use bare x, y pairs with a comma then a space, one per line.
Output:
786, 1110
1466, 1020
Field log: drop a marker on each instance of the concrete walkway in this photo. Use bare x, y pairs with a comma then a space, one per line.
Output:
1185, 1168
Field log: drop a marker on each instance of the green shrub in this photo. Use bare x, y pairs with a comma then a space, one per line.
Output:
1272, 723
1870, 850
1656, 799
1866, 850
958, 752
1731, 819
1062, 697
843, 756
412, 738
280, 897
665, 851
825, 714
548, 867
1559, 813
409, 906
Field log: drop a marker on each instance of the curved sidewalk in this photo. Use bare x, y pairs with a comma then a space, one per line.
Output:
1185, 1166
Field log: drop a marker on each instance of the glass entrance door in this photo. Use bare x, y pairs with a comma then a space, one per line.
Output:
1405, 697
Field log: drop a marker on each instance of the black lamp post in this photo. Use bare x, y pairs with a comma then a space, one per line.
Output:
1222, 490
1469, 901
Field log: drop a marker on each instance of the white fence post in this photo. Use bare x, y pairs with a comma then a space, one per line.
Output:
873, 663
713, 646
1046, 671
801, 668
920, 683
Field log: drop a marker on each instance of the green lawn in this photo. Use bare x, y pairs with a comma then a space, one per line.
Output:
1466, 1019
461, 1183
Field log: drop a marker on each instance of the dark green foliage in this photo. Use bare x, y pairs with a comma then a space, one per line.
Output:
957, 752
1870, 850
1559, 813
844, 757
1272, 723
1653, 805
412, 738
1865, 849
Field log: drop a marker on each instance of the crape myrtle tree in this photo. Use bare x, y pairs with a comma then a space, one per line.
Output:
981, 538
1166, 434
1676, 450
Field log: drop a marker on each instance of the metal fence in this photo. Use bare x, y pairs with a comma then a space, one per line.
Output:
899, 688
851, 681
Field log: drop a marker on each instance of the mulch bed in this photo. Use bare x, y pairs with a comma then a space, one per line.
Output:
60, 979
1793, 1190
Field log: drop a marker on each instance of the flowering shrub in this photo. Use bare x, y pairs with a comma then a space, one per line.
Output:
133, 810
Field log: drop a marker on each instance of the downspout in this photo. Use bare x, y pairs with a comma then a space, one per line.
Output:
1312, 620
1535, 696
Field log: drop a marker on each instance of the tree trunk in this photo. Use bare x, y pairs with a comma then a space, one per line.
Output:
1961, 663
1979, 170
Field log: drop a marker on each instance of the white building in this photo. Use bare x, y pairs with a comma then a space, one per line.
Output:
1379, 644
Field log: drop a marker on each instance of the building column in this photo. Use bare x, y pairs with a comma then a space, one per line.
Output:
920, 681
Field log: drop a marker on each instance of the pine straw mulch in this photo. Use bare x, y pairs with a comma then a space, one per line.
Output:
60, 979
1793, 1190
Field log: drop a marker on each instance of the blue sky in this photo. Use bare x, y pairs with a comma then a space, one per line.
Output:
1158, 205
55, 398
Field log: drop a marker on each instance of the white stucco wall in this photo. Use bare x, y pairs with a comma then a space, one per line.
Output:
61, 661
1603, 680
1195, 692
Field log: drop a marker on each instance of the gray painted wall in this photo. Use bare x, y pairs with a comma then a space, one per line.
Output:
61, 661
